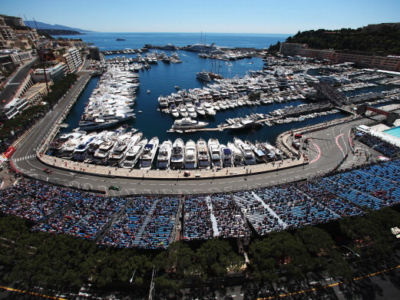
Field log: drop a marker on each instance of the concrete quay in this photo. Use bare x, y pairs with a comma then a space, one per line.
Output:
115, 172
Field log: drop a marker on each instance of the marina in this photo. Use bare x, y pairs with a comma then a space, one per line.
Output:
240, 115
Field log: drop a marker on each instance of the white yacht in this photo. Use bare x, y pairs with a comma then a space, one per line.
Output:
188, 123
182, 111
164, 155
121, 146
202, 154
79, 153
162, 101
227, 156
133, 154
238, 159
191, 110
248, 154
148, 154
209, 109
204, 76
199, 109
190, 155
178, 154
96, 124
215, 153
244, 123
174, 112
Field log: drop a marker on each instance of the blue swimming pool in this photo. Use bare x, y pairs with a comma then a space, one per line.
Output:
393, 131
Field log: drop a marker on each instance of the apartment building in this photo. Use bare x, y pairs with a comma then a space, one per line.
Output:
390, 63
73, 59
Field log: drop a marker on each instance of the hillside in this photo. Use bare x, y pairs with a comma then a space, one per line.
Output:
41, 25
59, 32
381, 39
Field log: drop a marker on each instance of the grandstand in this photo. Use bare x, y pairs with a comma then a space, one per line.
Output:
149, 222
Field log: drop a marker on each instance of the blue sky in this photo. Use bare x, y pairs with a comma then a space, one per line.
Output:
222, 16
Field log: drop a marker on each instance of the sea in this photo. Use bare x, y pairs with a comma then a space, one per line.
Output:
162, 78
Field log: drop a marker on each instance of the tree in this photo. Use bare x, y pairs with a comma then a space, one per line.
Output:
215, 257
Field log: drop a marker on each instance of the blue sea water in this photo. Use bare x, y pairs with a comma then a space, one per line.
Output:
162, 78
394, 131
107, 40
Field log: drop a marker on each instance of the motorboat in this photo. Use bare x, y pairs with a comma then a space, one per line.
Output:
203, 158
227, 156
133, 155
164, 155
188, 123
215, 153
148, 154
178, 154
248, 154
238, 159
190, 155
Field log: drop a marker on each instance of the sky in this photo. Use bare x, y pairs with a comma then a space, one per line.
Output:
219, 16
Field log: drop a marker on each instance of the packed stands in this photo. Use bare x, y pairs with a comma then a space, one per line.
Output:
150, 222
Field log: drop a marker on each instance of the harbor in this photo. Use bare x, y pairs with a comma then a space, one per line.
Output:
238, 116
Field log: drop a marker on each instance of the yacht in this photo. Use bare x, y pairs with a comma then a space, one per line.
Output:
204, 76
101, 154
178, 154
272, 152
227, 157
96, 124
248, 154
182, 111
148, 154
164, 155
188, 123
190, 155
203, 47
58, 143
174, 111
215, 153
202, 154
163, 101
199, 109
259, 153
191, 110
237, 155
79, 153
133, 154
209, 109
121, 146
244, 123
69, 148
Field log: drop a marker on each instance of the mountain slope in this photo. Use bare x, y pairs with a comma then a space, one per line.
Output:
42, 25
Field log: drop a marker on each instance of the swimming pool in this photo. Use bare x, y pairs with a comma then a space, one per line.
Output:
393, 131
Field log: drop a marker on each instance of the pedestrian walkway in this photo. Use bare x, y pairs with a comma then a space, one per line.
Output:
139, 235
281, 223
